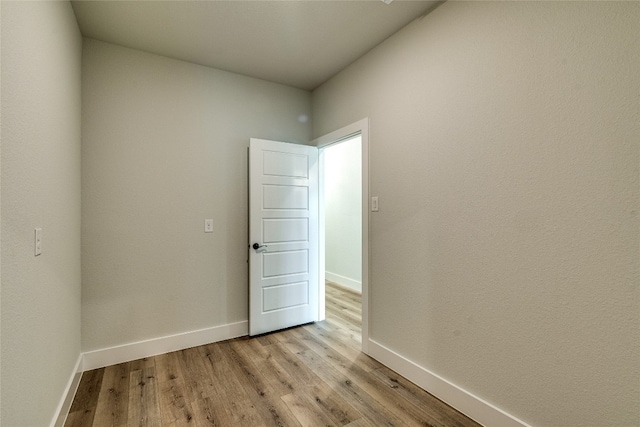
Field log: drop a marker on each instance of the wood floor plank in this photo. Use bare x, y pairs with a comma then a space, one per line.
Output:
174, 407
83, 408
335, 287
82, 418
139, 364
361, 422
266, 339
144, 409
269, 406
246, 371
337, 322
88, 390
349, 391
281, 381
375, 388
347, 336
236, 403
113, 403
336, 408
258, 350
335, 374
444, 413
338, 360
308, 413
338, 339
339, 297
354, 320
289, 361
199, 384
205, 395
207, 413
405, 410
336, 303
340, 302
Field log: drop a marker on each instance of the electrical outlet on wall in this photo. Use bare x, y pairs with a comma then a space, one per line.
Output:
374, 204
208, 226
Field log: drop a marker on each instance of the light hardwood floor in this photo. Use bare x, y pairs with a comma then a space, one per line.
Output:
313, 375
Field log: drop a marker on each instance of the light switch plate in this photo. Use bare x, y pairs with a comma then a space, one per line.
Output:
374, 204
208, 226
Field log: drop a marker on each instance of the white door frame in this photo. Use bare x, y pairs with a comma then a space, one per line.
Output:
360, 127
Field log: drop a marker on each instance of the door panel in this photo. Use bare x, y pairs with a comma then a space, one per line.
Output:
285, 197
285, 230
285, 263
283, 296
283, 210
285, 164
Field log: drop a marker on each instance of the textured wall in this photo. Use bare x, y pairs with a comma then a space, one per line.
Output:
343, 212
164, 147
41, 65
505, 152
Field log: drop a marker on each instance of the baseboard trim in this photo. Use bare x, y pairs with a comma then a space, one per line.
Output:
60, 416
152, 347
350, 284
472, 406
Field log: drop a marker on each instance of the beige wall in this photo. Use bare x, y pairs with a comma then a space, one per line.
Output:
504, 143
164, 147
41, 65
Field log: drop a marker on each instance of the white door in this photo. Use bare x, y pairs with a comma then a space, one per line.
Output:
283, 235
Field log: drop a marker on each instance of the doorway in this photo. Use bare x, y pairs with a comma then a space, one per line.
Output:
343, 213
343, 237
340, 208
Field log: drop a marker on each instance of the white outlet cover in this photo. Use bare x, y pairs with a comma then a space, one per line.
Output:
208, 226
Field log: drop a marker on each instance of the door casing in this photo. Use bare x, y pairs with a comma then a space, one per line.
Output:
360, 127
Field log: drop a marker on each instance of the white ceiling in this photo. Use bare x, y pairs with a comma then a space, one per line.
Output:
300, 43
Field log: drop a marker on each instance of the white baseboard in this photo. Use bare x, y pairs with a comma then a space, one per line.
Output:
344, 281
455, 396
147, 348
62, 410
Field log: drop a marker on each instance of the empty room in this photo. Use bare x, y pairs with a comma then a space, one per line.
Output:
178, 245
